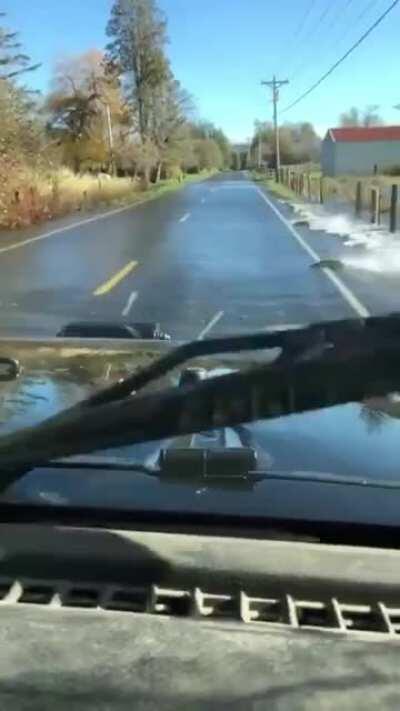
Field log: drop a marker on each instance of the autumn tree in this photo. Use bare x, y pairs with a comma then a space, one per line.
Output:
85, 109
19, 128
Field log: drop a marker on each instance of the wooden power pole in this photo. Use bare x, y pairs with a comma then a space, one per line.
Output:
275, 85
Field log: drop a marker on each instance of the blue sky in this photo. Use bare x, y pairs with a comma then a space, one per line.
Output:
221, 49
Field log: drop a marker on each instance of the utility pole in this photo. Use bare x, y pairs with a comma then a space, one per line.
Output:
110, 137
275, 85
248, 158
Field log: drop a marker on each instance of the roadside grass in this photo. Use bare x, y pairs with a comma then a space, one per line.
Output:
344, 188
340, 189
277, 189
31, 197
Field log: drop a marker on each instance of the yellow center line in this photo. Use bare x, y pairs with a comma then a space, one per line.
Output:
111, 283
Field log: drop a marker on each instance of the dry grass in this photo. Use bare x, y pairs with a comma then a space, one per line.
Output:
344, 188
29, 197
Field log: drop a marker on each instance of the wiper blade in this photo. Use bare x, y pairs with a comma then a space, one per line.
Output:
100, 464
297, 343
347, 361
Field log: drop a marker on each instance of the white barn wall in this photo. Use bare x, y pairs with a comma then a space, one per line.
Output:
358, 158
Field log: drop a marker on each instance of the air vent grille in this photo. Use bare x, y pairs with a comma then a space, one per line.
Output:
333, 615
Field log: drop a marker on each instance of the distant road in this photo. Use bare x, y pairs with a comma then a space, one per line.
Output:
219, 256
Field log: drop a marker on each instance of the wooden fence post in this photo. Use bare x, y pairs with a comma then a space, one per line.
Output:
321, 190
393, 207
309, 191
375, 204
358, 206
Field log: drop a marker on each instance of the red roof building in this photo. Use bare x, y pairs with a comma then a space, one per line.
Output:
360, 150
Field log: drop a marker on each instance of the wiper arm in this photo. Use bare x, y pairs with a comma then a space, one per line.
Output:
358, 366
295, 343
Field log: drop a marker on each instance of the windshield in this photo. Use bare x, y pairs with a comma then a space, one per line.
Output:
173, 171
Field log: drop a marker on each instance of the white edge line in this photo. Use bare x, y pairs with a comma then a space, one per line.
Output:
344, 290
185, 217
68, 228
210, 325
132, 298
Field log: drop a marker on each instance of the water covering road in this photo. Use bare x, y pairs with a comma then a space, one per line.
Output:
219, 256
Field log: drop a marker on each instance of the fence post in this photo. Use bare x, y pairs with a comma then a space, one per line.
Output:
309, 192
84, 200
358, 198
393, 208
321, 190
375, 200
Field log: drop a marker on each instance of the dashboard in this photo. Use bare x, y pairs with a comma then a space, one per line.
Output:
98, 618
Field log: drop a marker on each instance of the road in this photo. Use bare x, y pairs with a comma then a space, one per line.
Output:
219, 256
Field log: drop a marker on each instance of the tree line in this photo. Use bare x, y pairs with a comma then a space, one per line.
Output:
119, 110
299, 143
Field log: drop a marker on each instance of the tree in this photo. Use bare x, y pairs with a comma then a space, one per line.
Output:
171, 107
299, 143
13, 62
137, 30
85, 100
19, 130
355, 117
208, 154
207, 130
350, 117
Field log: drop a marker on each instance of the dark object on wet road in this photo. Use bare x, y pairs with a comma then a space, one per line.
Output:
113, 329
301, 223
334, 264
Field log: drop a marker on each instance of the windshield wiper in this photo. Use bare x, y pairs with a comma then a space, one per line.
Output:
319, 366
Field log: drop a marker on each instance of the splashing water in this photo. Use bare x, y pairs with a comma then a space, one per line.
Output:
365, 246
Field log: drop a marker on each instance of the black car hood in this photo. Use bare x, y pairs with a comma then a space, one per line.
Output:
349, 442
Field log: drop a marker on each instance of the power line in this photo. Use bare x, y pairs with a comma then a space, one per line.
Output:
299, 28
369, 6
304, 19
340, 13
366, 9
320, 20
347, 54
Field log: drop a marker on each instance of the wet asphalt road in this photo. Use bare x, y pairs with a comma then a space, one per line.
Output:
216, 257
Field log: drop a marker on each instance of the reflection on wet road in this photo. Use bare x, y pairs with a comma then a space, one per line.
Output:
217, 256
